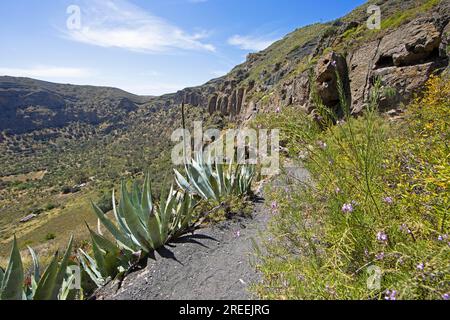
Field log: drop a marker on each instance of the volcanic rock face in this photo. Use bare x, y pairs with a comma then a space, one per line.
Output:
402, 58
329, 69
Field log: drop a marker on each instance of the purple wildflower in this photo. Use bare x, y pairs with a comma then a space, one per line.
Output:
347, 208
420, 266
322, 145
334, 63
443, 237
338, 190
405, 228
278, 110
446, 296
379, 256
382, 237
390, 295
388, 200
238, 234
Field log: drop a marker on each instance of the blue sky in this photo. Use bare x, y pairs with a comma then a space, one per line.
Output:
146, 46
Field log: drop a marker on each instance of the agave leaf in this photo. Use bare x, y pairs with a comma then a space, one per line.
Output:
90, 267
157, 238
135, 199
107, 255
118, 235
103, 243
124, 229
12, 279
62, 269
66, 287
146, 200
137, 205
47, 282
221, 177
138, 232
202, 182
36, 267
182, 182
51, 281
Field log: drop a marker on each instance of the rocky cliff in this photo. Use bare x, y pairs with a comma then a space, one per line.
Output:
412, 44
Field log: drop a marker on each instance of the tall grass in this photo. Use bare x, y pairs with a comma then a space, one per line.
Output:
377, 209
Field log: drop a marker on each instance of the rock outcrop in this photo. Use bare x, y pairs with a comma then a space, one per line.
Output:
330, 70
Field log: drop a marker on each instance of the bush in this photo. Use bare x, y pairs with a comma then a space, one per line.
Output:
50, 236
378, 207
105, 202
50, 206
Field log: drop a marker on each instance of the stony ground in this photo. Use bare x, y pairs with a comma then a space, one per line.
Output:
214, 263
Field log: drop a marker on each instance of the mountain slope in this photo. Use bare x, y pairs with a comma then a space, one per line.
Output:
411, 44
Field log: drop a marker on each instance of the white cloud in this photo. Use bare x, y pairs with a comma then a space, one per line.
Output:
46, 72
120, 24
250, 43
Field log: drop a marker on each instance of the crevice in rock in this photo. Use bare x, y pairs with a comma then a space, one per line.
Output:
384, 62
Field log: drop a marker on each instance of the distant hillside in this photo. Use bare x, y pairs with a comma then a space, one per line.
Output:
27, 104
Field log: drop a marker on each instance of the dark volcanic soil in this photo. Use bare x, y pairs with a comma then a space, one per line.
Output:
214, 263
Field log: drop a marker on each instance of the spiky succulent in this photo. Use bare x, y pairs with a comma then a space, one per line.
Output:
140, 224
53, 284
107, 262
213, 181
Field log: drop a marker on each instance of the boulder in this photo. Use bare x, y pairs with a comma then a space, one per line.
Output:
327, 70
414, 43
404, 80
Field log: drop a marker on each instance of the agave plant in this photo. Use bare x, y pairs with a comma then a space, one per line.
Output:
53, 284
140, 224
108, 261
213, 181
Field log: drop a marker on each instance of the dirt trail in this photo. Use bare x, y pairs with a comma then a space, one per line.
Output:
214, 263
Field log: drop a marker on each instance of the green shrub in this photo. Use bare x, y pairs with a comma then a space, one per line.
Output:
50, 236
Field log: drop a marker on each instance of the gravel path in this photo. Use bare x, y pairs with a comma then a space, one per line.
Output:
213, 264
